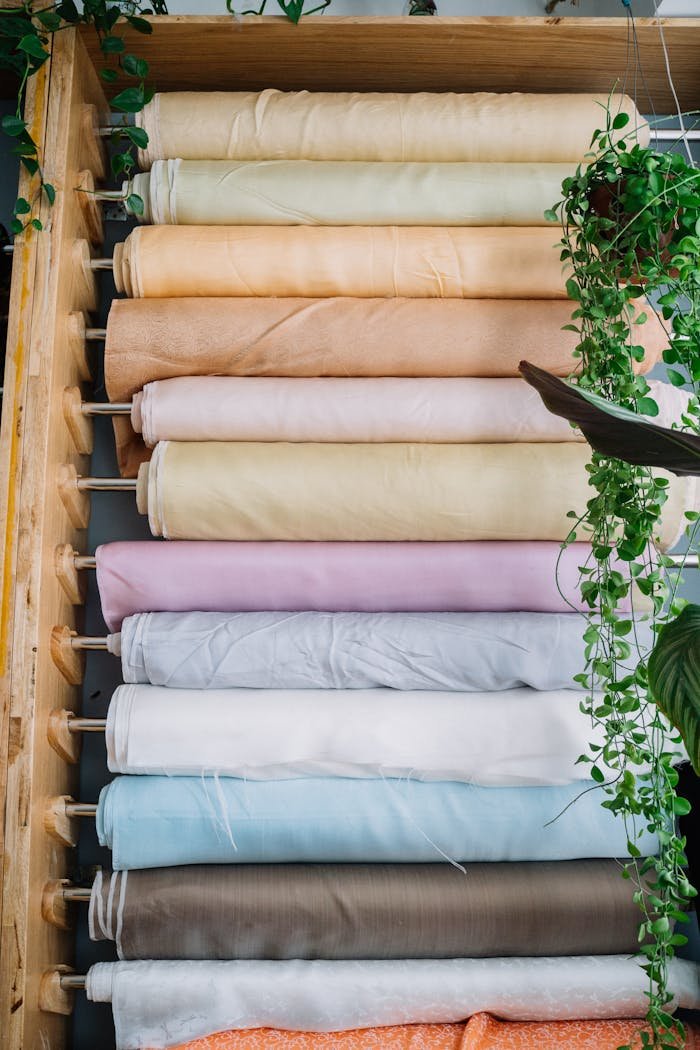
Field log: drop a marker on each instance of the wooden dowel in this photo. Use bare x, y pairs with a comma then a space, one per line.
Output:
85, 561
99, 334
93, 264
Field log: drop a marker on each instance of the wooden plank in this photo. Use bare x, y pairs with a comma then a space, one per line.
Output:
419, 54
43, 365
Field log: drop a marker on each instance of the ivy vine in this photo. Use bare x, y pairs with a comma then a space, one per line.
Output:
631, 227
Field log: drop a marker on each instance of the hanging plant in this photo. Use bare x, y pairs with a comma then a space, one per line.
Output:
631, 226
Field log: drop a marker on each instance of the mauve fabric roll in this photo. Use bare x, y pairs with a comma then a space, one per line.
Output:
316, 650
348, 193
366, 911
157, 339
481, 1032
513, 738
378, 126
220, 490
444, 262
146, 576
154, 822
159, 1003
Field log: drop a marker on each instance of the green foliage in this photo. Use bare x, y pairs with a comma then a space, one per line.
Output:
674, 678
631, 219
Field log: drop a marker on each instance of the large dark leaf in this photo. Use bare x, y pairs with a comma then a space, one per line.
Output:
674, 677
615, 431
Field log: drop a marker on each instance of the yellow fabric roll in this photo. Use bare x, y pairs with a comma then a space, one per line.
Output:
281, 491
251, 125
318, 261
348, 193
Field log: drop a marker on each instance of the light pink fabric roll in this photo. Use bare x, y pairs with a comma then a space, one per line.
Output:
226, 408
180, 576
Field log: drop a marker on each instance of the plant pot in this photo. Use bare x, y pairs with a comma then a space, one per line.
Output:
604, 200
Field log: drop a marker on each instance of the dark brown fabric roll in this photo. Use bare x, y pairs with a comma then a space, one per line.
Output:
366, 911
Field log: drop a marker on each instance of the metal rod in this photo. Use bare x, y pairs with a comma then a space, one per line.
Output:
672, 134
81, 641
104, 408
86, 725
73, 982
77, 893
101, 264
81, 809
96, 333
85, 561
107, 484
685, 561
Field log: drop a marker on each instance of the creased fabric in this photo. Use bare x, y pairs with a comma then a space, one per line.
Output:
379, 126
506, 262
312, 491
158, 339
366, 911
316, 650
481, 1032
145, 576
152, 822
511, 738
161, 1003
348, 193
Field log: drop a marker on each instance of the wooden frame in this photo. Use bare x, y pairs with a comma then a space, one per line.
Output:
51, 291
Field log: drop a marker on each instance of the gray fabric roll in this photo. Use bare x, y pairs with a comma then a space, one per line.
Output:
479, 652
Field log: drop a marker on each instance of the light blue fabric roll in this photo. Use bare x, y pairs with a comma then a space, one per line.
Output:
159, 821
477, 652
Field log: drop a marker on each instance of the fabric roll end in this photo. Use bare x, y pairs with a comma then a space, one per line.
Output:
142, 488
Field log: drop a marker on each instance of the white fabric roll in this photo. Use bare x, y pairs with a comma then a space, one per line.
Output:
511, 738
348, 193
161, 1004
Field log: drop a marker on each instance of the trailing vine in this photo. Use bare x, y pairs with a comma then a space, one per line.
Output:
631, 227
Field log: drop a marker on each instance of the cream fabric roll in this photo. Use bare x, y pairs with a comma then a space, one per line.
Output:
348, 193
229, 408
372, 125
160, 1004
519, 737
282, 491
507, 262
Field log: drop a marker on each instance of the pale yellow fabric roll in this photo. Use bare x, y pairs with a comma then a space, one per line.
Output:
318, 261
250, 125
280, 491
348, 193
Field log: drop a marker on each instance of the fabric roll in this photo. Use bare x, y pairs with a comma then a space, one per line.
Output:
161, 1003
348, 193
154, 822
507, 262
158, 339
378, 126
366, 911
481, 1032
226, 408
513, 738
144, 576
481, 652
382, 492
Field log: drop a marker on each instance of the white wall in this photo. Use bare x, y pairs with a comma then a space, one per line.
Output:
583, 8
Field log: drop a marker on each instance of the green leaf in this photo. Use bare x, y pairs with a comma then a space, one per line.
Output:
16, 226
13, 126
134, 204
22, 206
620, 121
50, 192
30, 164
138, 136
135, 67
131, 100
676, 378
49, 19
31, 45
139, 24
109, 75
68, 11
112, 45
674, 677
37, 224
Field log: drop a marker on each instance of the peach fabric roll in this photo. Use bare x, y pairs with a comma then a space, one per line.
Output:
348, 193
372, 125
481, 1032
281, 491
154, 339
505, 262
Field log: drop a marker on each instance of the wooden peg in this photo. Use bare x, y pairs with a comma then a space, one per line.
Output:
55, 909
85, 295
58, 824
76, 502
53, 998
72, 581
64, 743
90, 207
69, 661
93, 154
76, 325
79, 425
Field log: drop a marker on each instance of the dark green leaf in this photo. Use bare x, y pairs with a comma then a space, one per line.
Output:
620, 121
68, 11
112, 45
12, 125
31, 45
139, 24
50, 192
134, 204
137, 135
131, 100
30, 164
50, 20
109, 75
674, 677
16, 226
22, 206
37, 224
135, 67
